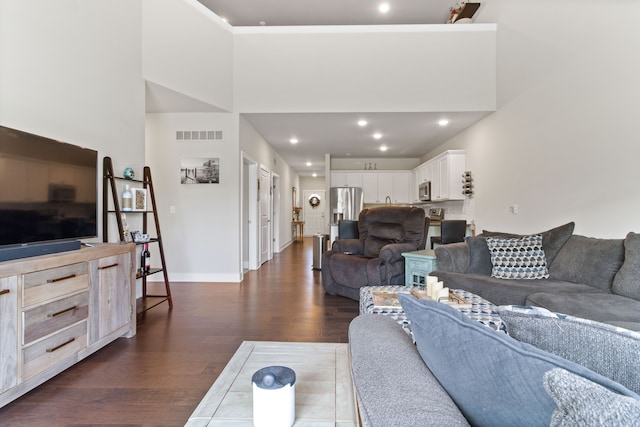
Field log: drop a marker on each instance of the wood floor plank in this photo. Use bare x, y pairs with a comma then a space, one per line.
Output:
158, 377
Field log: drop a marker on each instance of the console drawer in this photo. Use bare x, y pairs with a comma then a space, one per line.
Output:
44, 285
46, 319
52, 350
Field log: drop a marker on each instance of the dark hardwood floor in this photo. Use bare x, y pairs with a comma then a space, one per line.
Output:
158, 377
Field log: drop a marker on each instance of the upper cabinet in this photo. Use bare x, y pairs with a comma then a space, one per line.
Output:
378, 187
445, 173
386, 187
346, 179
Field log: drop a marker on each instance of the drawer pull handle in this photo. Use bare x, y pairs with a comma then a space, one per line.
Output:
66, 310
71, 276
108, 266
4, 291
58, 347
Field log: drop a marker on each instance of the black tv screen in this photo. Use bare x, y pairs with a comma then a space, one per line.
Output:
48, 189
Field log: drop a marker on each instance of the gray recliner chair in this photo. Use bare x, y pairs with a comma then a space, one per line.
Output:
375, 258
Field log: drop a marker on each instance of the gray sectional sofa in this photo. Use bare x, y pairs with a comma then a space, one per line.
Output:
460, 372
550, 369
597, 279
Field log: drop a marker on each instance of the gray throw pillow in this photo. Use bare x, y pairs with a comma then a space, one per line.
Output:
494, 379
479, 256
581, 402
627, 280
605, 349
552, 240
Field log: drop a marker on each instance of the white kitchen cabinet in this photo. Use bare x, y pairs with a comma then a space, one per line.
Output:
385, 187
450, 167
370, 188
346, 179
377, 186
401, 184
445, 174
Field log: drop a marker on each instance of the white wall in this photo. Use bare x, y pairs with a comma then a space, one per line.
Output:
563, 144
202, 239
71, 71
342, 69
255, 146
188, 49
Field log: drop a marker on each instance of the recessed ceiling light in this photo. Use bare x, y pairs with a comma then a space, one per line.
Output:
293, 140
225, 19
377, 135
308, 163
383, 148
384, 7
262, 23
443, 122
314, 174
362, 123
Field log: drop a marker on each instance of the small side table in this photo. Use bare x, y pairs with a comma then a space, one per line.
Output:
417, 266
298, 226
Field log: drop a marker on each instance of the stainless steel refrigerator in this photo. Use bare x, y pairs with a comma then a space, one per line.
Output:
346, 203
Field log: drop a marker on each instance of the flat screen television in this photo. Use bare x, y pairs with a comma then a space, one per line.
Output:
48, 194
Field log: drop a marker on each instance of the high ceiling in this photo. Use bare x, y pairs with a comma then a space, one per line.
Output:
407, 135
329, 12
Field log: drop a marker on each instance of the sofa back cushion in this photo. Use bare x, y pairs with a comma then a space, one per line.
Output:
588, 260
627, 280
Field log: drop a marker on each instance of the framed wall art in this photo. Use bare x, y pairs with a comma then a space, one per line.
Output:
139, 199
200, 171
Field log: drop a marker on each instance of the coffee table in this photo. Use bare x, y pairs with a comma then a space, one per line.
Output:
480, 310
324, 391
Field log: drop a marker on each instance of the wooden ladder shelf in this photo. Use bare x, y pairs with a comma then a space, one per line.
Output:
109, 187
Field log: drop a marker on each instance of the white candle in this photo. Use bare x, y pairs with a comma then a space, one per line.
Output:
435, 290
443, 294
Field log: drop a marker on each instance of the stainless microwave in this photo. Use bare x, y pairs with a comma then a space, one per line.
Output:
424, 191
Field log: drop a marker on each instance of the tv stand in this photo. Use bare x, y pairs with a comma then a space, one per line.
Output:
8, 253
56, 310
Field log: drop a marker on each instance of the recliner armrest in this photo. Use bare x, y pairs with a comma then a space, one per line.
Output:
353, 246
393, 252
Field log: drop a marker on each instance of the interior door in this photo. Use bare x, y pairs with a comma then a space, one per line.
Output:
313, 215
265, 215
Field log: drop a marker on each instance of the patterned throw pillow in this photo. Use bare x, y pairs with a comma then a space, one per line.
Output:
521, 258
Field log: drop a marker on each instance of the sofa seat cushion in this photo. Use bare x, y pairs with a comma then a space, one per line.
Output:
494, 379
507, 291
608, 350
607, 308
588, 260
393, 385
